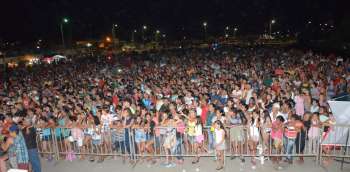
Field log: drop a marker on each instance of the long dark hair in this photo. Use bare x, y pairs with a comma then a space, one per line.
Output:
220, 124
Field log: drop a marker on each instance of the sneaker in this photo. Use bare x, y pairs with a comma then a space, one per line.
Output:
170, 165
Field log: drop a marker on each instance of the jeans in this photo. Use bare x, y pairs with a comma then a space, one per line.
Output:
210, 140
288, 147
178, 150
119, 146
34, 159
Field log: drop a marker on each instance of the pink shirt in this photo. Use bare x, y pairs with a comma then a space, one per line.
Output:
276, 134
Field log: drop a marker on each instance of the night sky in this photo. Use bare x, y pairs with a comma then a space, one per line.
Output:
28, 20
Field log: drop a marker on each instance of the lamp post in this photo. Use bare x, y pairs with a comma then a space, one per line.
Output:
271, 23
144, 28
235, 31
157, 35
64, 20
114, 27
205, 24
133, 35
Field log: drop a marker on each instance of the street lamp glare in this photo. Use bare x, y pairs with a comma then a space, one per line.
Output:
157, 31
65, 20
116, 25
227, 28
236, 29
145, 27
135, 31
273, 21
205, 24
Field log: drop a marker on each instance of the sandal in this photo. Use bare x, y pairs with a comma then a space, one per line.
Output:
219, 168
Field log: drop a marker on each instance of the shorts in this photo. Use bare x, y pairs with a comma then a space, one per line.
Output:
47, 138
236, 134
140, 137
221, 147
149, 137
23, 166
277, 143
199, 139
96, 142
191, 139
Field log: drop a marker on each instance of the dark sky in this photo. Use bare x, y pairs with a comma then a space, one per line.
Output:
27, 20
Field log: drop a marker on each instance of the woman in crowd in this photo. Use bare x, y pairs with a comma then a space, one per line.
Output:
220, 146
199, 138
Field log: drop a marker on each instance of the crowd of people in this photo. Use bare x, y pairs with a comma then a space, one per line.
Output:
225, 101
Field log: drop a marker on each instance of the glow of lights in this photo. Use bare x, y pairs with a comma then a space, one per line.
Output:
108, 39
116, 25
309, 22
158, 32
144, 27
226, 35
163, 35
88, 44
135, 31
65, 20
273, 21
205, 24
109, 57
235, 29
37, 47
227, 28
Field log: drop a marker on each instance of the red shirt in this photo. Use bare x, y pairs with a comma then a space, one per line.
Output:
115, 100
204, 114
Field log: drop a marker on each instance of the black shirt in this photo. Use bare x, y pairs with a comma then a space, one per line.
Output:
30, 138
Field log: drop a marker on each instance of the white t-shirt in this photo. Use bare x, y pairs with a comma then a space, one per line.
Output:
219, 135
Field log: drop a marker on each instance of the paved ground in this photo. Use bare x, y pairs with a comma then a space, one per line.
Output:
205, 165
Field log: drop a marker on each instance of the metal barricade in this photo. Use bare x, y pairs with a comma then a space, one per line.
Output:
335, 144
169, 143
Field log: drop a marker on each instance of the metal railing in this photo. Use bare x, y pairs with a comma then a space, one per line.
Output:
172, 142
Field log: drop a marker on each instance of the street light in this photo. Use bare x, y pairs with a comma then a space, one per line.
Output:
133, 35
205, 24
143, 32
157, 35
227, 28
235, 31
273, 21
114, 27
64, 21
108, 39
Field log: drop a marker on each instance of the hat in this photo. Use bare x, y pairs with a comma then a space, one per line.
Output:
13, 128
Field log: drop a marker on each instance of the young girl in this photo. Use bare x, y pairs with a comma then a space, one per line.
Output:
254, 135
314, 133
199, 138
277, 136
149, 128
236, 135
170, 141
219, 136
140, 135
